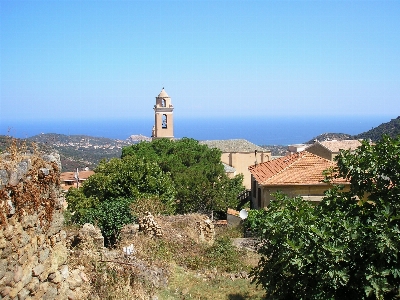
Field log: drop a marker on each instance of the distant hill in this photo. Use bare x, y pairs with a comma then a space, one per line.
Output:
330, 137
81, 151
391, 128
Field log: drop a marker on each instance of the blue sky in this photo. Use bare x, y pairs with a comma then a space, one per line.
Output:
109, 59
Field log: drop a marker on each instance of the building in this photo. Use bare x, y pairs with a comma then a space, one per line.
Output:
298, 174
74, 179
329, 149
297, 148
163, 117
239, 154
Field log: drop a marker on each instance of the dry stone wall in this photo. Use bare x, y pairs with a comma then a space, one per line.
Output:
33, 252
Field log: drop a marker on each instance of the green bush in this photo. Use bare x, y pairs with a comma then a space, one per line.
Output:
110, 216
347, 246
224, 256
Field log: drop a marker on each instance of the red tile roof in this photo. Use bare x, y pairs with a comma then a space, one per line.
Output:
302, 168
68, 179
69, 176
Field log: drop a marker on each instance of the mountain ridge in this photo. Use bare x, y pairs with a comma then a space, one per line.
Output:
81, 151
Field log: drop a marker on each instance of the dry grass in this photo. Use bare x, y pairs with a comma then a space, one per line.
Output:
111, 276
185, 284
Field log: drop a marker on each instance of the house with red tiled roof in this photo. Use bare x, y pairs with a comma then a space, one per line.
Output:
329, 149
298, 174
74, 179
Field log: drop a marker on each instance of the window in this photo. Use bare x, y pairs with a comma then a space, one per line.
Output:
259, 198
163, 103
164, 121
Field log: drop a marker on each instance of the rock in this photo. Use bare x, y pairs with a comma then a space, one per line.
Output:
64, 271
14, 291
23, 294
44, 254
74, 280
51, 293
3, 267
38, 270
53, 157
5, 291
55, 277
88, 231
3, 178
148, 225
33, 285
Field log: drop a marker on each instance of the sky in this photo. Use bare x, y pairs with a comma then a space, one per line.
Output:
66, 59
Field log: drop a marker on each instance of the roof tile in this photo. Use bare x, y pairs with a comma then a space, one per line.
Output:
299, 168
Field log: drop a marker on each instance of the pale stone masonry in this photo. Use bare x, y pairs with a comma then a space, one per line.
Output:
33, 252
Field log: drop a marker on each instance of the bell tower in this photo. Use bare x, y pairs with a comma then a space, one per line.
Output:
163, 117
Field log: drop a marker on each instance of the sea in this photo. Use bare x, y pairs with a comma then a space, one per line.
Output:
258, 130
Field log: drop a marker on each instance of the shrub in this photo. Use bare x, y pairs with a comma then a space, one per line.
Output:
110, 216
347, 246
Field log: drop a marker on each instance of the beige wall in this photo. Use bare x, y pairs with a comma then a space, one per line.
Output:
164, 132
313, 193
321, 151
241, 162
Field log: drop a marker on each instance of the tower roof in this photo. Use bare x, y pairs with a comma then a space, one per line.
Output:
163, 94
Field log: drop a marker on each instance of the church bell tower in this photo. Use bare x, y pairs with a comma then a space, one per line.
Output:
163, 117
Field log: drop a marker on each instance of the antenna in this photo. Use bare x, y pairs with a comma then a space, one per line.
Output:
243, 214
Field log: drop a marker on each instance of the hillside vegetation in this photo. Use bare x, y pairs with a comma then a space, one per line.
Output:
391, 128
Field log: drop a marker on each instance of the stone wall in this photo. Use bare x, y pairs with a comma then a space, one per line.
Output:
33, 252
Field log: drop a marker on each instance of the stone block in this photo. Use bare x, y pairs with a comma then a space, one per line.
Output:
23, 294
3, 267
5, 291
15, 290
41, 239
17, 274
7, 278
36, 271
33, 285
56, 225
44, 254
41, 290
51, 292
29, 221
63, 289
3, 243
3, 178
74, 280
71, 295
59, 254
8, 232
26, 275
64, 271
55, 277
20, 240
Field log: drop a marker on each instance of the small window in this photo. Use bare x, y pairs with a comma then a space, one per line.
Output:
164, 121
259, 198
163, 103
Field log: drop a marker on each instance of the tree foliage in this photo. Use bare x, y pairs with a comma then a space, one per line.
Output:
347, 246
196, 171
106, 196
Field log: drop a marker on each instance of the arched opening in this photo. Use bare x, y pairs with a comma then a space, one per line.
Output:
164, 122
